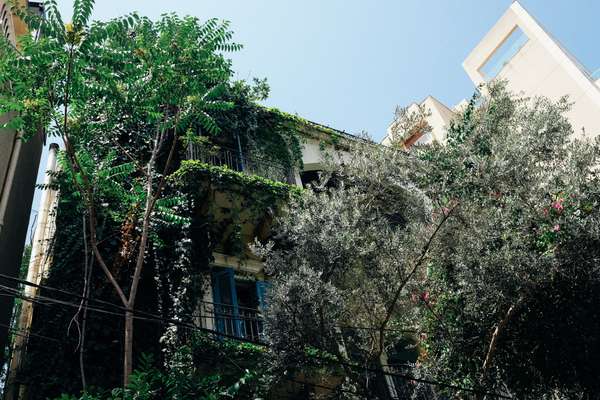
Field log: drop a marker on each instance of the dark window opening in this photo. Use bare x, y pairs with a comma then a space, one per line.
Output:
238, 304
314, 178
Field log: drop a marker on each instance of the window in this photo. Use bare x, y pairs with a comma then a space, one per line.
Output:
309, 177
314, 178
237, 304
504, 53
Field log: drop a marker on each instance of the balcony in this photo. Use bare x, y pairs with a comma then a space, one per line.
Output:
236, 161
232, 321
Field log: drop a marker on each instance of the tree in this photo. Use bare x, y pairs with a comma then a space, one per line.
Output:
514, 277
409, 122
346, 262
486, 248
121, 95
182, 378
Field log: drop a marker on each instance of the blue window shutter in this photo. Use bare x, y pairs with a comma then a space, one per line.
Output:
216, 281
225, 299
216, 287
237, 322
261, 291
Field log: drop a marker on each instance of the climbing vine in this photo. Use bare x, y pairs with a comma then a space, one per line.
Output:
179, 257
260, 134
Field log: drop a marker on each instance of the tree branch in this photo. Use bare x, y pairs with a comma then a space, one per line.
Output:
418, 263
85, 191
496, 335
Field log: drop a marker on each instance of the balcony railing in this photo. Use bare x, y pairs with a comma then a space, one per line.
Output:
242, 322
237, 161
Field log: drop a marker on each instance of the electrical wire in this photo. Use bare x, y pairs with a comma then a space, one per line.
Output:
146, 316
26, 334
195, 315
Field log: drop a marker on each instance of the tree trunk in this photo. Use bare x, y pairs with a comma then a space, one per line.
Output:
512, 310
128, 348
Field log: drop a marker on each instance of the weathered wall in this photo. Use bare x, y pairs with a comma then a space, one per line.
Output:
15, 200
19, 164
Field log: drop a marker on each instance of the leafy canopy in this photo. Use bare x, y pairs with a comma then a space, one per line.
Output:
515, 272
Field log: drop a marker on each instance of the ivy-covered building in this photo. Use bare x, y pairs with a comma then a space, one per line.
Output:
201, 275
240, 193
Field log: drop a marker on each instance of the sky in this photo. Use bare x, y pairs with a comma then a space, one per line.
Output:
349, 63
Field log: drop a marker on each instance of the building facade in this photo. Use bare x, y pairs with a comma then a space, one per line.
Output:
226, 183
19, 162
520, 51
234, 296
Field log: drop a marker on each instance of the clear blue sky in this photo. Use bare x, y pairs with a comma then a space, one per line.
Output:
348, 63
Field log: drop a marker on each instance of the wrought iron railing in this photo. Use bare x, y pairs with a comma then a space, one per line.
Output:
240, 162
236, 321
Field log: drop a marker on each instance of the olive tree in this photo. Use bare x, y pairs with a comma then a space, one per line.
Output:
347, 259
486, 247
514, 275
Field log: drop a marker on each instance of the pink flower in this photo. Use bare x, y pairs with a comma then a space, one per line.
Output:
556, 228
425, 296
557, 205
545, 211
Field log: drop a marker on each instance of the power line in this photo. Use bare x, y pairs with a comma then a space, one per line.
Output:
108, 303
136, 313
157, 319
26, 334
120, 307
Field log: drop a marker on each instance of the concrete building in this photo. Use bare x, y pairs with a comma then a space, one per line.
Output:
438, 118
40, 260
19, 162
234, 296
519, 50
231, 281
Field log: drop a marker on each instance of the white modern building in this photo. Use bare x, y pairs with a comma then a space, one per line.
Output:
439, 116
519, 50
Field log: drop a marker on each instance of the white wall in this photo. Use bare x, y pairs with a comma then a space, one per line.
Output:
439, 120
540, 68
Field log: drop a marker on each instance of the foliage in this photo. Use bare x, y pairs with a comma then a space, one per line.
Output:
245, 202
52, 367
25, 261
181, 378
487, 247
409, 122
344, 264
505, 259
121, 94
191, 171
264, 136
514, 272
135, 91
